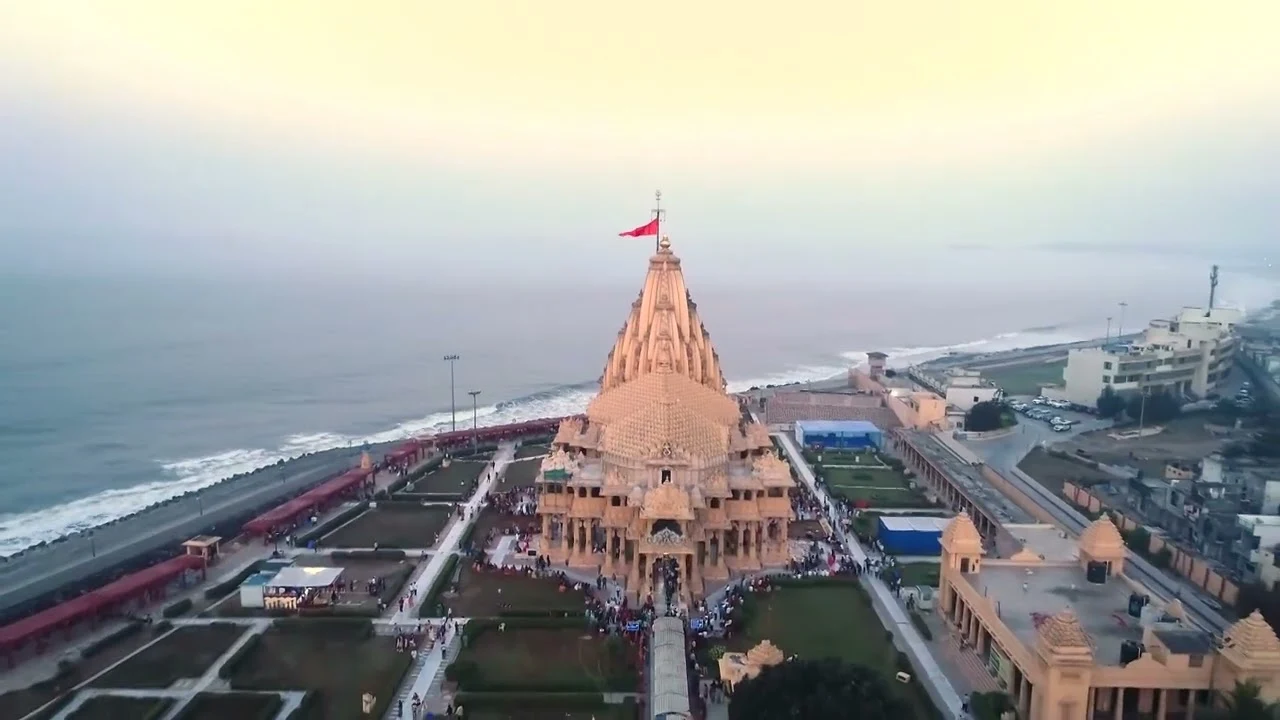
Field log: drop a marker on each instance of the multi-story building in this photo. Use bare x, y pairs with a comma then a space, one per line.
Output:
1189, 355
962, 389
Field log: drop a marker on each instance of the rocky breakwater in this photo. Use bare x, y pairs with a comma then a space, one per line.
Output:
45, 568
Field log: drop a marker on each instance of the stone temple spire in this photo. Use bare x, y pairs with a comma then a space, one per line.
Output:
663, 332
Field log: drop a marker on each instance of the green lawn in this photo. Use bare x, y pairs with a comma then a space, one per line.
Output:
1026, 379
921, 573
825, 620
864, 478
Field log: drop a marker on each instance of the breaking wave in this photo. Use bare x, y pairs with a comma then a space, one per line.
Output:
182, 476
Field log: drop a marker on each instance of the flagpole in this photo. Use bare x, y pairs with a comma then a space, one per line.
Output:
657, 216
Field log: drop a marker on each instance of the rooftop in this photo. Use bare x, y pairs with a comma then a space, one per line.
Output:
296, 576
969, 480
1046, 541
837, 426
1026, 597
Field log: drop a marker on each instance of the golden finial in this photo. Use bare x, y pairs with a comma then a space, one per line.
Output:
664, 243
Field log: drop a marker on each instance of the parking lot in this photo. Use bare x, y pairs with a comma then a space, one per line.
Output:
1060, 416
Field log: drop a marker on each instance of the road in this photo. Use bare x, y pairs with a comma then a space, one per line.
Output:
1004, 454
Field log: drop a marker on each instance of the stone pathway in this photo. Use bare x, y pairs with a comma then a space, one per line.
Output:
885, 604
426, 675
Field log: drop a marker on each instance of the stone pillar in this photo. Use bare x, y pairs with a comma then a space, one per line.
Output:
633, 581
1024, 701
1118, 710
546, 532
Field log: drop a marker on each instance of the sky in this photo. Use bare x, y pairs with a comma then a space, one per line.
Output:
506, 139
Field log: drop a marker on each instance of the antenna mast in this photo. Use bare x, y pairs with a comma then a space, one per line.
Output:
1213, 286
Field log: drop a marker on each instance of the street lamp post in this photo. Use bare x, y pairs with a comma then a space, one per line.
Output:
1108, 342
453, 403
475, 432
1120, 332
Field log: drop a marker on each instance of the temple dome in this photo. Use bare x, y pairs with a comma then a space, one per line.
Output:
1063, 630
663, 332
1102, 539
1252, 637
962, 535
765, 654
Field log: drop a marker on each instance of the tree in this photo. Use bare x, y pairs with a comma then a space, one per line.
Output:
984, 417
827, 689
1157, 407
1109, 403
1245, 702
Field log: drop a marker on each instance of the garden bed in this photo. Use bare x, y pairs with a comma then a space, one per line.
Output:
815, 619
187, 652
494, 593
17, 704
530, 451
518, 475
392, 525
231, 706
458, 477
549, 656
114, 707
338, 660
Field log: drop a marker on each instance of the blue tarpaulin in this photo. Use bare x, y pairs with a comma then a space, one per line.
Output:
839, 434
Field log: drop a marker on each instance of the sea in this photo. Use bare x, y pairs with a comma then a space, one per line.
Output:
116, 393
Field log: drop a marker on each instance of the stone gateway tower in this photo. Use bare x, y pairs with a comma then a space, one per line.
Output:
666, 471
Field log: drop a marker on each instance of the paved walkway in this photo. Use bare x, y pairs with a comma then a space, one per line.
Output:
886, 606
429, 668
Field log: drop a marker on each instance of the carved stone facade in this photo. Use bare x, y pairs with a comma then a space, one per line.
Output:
664, 467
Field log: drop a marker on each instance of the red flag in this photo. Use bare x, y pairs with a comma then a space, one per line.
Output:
649, 228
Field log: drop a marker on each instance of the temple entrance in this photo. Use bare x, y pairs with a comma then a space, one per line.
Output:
666, 579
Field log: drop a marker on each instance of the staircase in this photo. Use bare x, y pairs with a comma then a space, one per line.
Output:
435, 700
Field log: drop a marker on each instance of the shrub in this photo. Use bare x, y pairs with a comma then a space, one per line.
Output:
514, 701
921, 625
237, 658
179, 608
220, 590
112, 639
319, 530
353, 627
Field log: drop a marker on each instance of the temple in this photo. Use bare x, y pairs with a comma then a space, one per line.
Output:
1068, 636
665, 467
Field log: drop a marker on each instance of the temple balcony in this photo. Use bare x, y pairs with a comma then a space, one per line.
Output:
618, 517
743, 510
554, 502
592, 507
775, 507
746, 482
716, 519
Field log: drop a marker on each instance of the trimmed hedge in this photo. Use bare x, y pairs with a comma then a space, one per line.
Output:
179, 608
324, 527
381, 554
114, 638
349, 626
220, 590
441, 582
401, 503
237, 658
430, 497
921, 625
307, 708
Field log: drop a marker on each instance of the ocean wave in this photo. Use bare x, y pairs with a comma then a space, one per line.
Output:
181, 476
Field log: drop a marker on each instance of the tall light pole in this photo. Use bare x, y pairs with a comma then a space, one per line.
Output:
1108, 332
475, 430
1120, 331
453, 402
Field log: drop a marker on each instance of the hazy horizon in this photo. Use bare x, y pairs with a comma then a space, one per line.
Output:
477, 143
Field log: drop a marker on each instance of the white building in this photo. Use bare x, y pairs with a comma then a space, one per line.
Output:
962, 389
1189, 355
1261, 535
